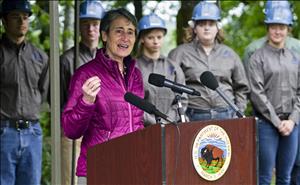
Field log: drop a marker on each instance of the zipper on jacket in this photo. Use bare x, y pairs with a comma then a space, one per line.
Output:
129, 106
108, 135
130, 117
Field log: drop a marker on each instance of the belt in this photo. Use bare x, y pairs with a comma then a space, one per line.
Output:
284, 116
18, 123
226, 109
281, 116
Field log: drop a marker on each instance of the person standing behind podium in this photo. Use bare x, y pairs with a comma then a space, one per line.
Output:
205, 52
274, 77
90, 15
96, 108
290, 43
24, 84
152, 30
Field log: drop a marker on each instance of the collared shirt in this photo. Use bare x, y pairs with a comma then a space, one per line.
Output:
24, 80
274, 77
224, 63
290, 43
163, 98
67, 67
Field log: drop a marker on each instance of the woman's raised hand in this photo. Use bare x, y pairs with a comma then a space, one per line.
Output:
90, 89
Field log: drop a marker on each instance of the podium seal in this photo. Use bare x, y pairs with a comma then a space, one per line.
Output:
211, 152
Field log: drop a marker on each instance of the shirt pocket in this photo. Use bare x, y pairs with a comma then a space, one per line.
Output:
34, 70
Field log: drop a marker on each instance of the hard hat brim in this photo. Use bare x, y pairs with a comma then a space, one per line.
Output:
279, 22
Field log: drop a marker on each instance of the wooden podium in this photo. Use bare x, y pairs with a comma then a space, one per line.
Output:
160, 155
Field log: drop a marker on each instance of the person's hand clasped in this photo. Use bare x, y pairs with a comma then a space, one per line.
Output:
90, 89
286, 127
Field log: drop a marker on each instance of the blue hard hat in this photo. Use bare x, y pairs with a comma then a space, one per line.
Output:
270, 4
206, 11
151, 21
279, 15
91, 9
11, 5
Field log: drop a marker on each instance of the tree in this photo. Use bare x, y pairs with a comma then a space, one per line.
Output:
249, 25
67, 35
183, 16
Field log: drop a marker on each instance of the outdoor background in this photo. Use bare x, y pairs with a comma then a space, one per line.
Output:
243, 22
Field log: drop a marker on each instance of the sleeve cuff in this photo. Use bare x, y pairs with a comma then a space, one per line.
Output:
276, 121
294, 117
84, 107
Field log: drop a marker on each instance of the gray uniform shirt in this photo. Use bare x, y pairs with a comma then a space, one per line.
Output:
224, 63
67, 67
290, 42
274, 77
24, 80
162, 97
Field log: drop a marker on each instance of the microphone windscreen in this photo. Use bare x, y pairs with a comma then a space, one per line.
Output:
156, 79
209, 80
139, 102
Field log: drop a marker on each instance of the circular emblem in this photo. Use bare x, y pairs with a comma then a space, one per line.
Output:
211, 152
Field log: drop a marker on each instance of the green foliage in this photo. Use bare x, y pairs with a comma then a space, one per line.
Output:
68, 34
45, 123
243, 29
249, 26
46, 163
119, 4
39, 28
296, 26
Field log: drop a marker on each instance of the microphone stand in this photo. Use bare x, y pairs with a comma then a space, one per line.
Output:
232, 105
158, 119
180, 108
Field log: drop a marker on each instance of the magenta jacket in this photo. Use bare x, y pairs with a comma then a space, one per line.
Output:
110, 116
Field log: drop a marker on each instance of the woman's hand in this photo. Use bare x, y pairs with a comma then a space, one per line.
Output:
286, 127
90, 89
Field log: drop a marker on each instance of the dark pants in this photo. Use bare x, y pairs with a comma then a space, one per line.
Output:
276, 151
296, 169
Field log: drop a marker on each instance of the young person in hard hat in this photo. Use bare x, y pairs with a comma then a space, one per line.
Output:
290, 43
90, 15
274, 77
24, 86
152, 30
205, 52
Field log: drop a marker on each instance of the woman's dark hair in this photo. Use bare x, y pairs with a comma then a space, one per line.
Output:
111, 15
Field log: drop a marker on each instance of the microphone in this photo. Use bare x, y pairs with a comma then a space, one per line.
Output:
160, 81
144, 105
209, 80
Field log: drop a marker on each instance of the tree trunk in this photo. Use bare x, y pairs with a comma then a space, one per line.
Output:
183, 16
138, 9
68, 27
